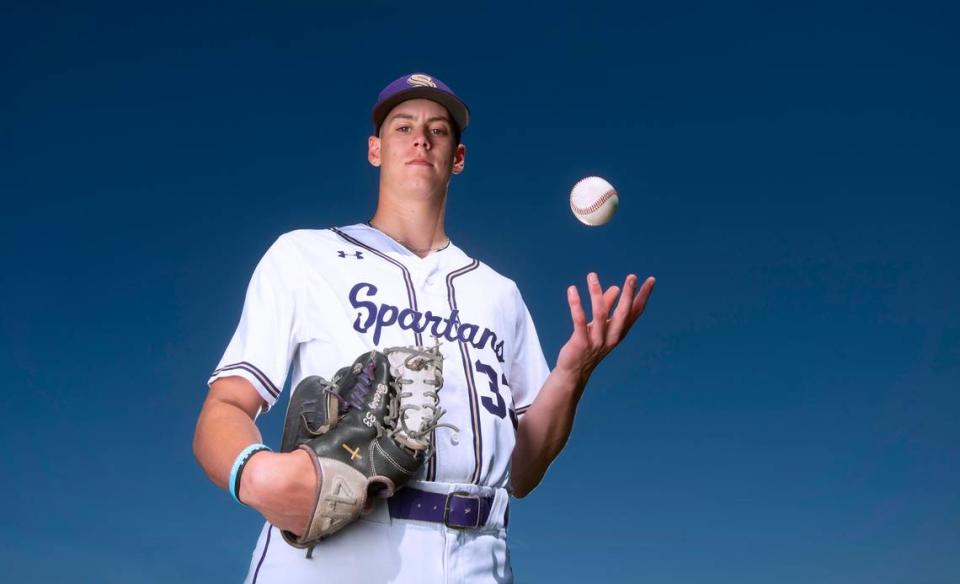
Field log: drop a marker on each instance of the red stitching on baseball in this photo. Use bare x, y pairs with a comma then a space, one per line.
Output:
596, 204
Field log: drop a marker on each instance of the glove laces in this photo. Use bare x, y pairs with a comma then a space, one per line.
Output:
417, 412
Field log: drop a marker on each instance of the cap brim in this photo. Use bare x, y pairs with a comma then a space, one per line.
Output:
457, 109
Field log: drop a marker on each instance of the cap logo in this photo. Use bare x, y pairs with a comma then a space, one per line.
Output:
419, 80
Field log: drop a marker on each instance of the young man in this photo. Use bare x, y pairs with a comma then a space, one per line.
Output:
320, 298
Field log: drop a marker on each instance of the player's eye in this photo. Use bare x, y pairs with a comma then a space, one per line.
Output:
403, 129
439, 131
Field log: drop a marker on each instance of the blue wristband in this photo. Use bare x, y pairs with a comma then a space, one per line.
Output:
238, 465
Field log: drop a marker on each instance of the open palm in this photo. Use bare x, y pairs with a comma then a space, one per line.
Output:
591, 342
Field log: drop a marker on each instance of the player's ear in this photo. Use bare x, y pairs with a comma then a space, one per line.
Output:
373, 150
459, 157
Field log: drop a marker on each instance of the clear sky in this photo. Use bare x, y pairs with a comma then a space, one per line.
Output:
785, 411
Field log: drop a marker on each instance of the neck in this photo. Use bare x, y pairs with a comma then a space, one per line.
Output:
416, 224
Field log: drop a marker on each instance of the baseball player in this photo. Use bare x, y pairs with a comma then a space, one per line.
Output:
319, 298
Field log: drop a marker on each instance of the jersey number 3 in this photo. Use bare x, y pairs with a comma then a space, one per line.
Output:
495, 405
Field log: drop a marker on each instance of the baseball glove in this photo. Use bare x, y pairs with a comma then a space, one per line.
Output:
368, 431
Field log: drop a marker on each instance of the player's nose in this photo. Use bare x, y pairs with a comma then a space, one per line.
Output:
421, 139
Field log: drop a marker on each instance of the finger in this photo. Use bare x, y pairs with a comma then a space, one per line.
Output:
576, 311
608, 299
622, 312
596, 304
640, 302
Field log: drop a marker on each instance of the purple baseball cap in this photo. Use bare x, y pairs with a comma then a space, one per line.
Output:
419, 85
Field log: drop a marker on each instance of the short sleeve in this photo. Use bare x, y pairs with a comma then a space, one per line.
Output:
529, 368
266, 337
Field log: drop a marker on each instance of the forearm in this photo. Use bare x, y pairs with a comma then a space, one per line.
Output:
281, 486
544, 429
223, 430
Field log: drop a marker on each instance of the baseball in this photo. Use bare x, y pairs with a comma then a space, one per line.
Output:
594, 201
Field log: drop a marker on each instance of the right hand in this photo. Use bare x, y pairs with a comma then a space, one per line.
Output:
282, 486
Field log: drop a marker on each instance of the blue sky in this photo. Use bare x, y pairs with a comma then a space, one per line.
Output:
785, 410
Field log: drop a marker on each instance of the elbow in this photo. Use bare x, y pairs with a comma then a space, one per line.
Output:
198, 435
520, 493
525, 476
196, 445
522, 486
197, 448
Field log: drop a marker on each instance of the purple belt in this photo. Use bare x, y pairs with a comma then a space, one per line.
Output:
459, 510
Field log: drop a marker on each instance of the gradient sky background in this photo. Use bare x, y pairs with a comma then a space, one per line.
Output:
786, 410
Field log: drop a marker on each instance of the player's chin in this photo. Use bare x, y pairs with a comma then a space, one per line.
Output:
427, 181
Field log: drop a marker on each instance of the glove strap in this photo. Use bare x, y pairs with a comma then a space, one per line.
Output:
237, 471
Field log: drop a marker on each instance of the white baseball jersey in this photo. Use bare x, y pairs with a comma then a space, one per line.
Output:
320, 298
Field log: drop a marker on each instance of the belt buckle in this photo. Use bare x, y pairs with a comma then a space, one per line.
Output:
446, 510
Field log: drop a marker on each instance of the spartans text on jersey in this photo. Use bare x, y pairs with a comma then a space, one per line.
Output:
371, 314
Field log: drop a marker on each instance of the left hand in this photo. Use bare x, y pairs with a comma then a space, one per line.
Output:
590, 343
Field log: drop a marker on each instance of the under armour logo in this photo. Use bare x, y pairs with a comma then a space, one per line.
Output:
356, 254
